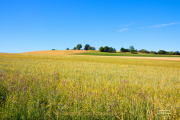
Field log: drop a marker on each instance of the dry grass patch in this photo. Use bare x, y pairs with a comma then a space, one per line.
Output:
57, 52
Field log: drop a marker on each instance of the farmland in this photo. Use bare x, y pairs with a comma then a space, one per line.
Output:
97, 53
56, 86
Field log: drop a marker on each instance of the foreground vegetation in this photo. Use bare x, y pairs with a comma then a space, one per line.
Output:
123, 54
34, 86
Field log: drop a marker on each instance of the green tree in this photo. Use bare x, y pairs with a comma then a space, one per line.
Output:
131, 48
111, 49
153, 52
86, 47
124, 50
133, 51
161, 52
144, 51
106, 49
89, 48
67, 48
74, 48
114, 50
79, 46
177, 53
101, 49
93, 48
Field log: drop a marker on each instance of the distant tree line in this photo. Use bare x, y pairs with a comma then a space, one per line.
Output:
107, 49
86, 47
131, 50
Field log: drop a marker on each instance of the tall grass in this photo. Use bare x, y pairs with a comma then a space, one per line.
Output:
78, 87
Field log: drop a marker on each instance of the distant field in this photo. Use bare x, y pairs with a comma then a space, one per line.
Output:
123, 54
57, 86
56, 52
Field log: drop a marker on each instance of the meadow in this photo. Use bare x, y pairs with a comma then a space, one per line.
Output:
123, 54
44, 86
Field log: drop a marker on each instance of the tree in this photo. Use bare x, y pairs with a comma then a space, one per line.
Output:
171, 53
153, 52
161, 52
114, 50
111, 49
67, 48
106, 49
131, 48
144, 51
124, 50
93, 48
74, 48
90, 48
101, 49
133, 51
79, 46
177, 53
86, 47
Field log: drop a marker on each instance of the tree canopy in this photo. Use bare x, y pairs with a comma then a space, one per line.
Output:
79, 46
101, 49
86, 47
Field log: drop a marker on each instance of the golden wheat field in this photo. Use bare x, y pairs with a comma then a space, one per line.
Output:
52, 86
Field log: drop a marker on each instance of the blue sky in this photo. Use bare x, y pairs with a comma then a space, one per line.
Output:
34, 25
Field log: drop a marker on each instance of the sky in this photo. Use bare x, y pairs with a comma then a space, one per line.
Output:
35, 25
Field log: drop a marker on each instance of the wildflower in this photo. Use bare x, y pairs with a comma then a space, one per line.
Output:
73, 91
33, 78
55, 73
23, 81
124, 81
24, 88
25, 108
4, 97
59, 104
114, 103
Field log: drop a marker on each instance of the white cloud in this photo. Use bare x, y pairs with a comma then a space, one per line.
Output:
129, 24
161, 25
123, 29
126, 25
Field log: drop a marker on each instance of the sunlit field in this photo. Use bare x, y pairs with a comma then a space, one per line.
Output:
34, 86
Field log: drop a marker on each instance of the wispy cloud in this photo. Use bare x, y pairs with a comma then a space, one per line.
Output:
129, 24
161, 25
126, 25
123, 29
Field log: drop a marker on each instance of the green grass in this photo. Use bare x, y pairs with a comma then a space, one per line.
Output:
36, 86
123, 54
